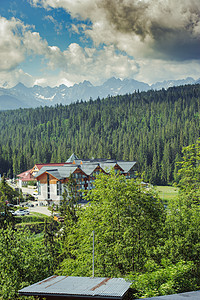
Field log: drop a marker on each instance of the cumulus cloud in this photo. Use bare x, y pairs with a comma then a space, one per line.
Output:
11, 52
19, 41
89, 63
165, 29
16, 41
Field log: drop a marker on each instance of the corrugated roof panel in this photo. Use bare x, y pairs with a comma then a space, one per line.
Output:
80, 286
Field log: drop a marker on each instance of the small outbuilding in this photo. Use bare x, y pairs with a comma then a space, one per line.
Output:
79, 288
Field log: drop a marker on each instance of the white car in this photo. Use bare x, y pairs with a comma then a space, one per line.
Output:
21, 212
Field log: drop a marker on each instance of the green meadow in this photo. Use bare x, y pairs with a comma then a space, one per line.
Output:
167, 193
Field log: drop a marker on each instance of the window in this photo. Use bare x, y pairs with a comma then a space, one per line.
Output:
48, 187
59, 188
39, 188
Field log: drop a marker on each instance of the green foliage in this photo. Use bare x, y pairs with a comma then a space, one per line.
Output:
6, 192
23, 261
166, 279
126, 220
149, 127
34, 227
50, 229
167, 193
189, 172
67, 237
33, 217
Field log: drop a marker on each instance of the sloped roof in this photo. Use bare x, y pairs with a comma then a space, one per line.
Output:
26, 176
25, 173
126, 165
72, 286
107, 166
64, 171
72, 158
88, 168
59, 172
98, 160
40, 166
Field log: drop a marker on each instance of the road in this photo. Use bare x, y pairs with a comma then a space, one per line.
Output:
40, 209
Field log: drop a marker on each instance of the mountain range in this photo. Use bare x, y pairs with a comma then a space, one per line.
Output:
21, 96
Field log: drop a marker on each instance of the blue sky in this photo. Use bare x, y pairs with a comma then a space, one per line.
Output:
53, 42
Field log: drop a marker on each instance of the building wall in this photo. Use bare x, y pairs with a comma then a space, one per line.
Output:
43, 195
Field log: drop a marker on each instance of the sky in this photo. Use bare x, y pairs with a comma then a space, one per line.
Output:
54, 42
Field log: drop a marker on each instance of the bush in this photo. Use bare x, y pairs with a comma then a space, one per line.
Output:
36, 227
30, 219
23, 261
170, 279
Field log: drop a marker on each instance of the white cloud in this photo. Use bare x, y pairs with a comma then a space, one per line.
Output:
16, 42
91, 64
162, 36
75, 62
155, 70
166, 29
57, 25
11, 50
13, 77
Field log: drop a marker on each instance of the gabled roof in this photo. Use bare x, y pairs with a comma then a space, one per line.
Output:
26, 176
72, 158
60, 172
89, 168
107, 166
25, 173
126, 165
64, 171
72, 286
40, 166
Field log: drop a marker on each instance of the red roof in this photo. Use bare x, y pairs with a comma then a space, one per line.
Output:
39, 166
26, 176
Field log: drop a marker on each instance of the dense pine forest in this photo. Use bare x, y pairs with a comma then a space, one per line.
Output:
148, 127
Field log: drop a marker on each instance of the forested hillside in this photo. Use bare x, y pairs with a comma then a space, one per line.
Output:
148, 127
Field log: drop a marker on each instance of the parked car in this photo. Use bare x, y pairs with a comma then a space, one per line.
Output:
21, 212
26, 212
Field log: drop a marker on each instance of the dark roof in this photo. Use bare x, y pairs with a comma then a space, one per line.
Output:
68, 286
59, 172
182, 296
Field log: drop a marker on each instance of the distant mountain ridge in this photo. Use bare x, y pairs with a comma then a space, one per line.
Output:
21, 96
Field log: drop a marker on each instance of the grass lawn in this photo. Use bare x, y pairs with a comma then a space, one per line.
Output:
167, 192
33, 217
